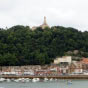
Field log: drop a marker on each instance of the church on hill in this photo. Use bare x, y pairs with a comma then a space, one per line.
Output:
44, 25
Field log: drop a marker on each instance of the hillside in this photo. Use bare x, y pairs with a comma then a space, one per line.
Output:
19, 45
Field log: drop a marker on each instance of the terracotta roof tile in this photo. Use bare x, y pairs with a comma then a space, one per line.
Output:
85, 60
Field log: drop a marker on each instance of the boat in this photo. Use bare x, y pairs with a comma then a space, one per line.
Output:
55, 79
69, 82
8, 80
16, 80
27, 79
23, 80
51, 79
35, 79
45, 79
2, 79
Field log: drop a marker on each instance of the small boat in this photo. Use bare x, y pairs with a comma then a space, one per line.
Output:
35, 79
51, 79
55, 79
45, 79
2, 79
23, 80
69, 82
27, 79
16, 80
8, 80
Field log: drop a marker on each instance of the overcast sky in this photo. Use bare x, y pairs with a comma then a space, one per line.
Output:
68, 13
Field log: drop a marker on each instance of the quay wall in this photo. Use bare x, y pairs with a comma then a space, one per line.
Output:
55, 77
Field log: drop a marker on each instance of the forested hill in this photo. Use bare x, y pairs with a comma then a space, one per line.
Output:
19, 45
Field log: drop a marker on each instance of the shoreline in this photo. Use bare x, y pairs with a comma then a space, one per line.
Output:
54, 77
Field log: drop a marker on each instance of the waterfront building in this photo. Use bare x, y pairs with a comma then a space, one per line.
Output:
84, 62
76, 67
63, 60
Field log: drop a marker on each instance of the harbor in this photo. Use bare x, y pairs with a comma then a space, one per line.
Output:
46, 84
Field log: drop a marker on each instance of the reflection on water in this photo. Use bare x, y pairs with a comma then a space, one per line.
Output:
48, 84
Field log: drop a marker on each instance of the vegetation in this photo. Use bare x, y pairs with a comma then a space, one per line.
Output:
19, 45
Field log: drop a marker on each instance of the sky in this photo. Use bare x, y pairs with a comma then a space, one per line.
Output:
68, 13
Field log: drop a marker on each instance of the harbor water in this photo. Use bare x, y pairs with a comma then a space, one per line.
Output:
48, 84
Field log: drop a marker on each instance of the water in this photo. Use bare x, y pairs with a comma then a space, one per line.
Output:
53, 84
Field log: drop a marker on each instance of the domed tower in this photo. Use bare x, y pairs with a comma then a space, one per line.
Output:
45, 21
44, 25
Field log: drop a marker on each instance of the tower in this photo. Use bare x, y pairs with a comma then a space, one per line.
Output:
43, 26
45, 23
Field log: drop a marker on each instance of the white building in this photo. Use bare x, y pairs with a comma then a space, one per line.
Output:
64, 59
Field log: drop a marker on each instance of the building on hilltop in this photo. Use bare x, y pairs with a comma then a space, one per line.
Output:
43, 26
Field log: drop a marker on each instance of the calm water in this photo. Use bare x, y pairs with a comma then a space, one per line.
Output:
53, 84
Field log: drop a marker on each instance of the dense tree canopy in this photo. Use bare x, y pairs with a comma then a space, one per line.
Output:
19, 45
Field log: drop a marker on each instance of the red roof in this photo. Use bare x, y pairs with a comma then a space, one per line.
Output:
85, 61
